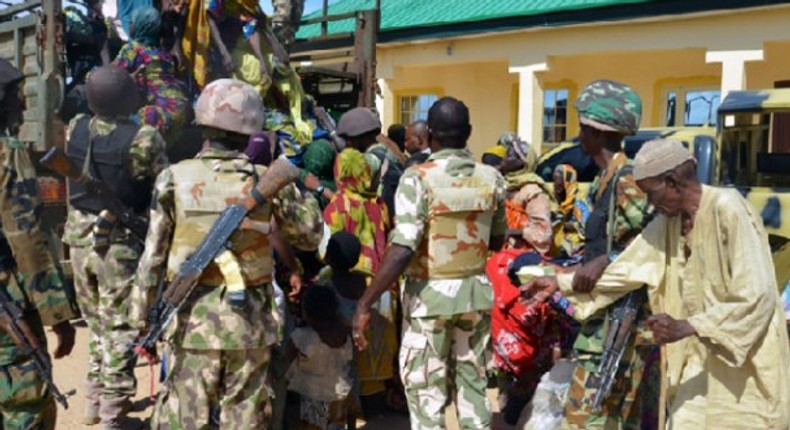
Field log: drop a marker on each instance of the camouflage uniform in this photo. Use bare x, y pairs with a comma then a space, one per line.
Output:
606, 105
103, 282
24, 400
221, 353
286, 18
447, 210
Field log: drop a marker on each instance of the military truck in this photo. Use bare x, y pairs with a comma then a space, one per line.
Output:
36, 48
753, 155
338, 68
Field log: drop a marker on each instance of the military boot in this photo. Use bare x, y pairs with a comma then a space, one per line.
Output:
92, 396
112, 412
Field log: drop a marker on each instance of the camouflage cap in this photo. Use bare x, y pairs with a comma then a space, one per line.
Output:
358, 121
230, 105
610, 106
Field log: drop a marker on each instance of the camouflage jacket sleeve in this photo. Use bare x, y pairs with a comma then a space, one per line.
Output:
299, 218
411, 211
147, 154
632, 210
20, 211
151, 269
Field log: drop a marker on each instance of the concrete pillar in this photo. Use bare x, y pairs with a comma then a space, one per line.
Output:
733, 72
530, 104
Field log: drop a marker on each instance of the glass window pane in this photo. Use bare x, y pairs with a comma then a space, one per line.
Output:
562, 115
548, 116
560, 134
701, 107
549, 96
547, 134
562, 97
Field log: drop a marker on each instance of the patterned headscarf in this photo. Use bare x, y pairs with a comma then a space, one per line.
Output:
146, 26
571, 185
358, 210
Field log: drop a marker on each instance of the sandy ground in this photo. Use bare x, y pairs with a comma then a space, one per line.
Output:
70, 372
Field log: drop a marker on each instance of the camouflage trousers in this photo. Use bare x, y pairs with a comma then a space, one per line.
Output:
622, 409
103, 285
440, 354
25, 403
202, 382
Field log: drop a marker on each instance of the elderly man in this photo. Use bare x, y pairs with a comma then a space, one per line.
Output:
708, 268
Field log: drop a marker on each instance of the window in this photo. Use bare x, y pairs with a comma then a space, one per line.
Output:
555, 115
416, 107
691, 107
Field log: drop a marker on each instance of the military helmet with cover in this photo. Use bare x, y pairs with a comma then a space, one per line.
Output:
610, 106
230, 105
358, 121
112, 92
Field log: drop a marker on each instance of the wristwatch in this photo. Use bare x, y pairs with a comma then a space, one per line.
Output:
320, 189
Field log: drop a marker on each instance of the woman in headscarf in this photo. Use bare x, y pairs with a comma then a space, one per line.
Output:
529, 202
167, 106
241, 36
357, 210
572, 213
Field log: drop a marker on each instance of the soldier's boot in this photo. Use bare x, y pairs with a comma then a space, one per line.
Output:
112, 412
92, 396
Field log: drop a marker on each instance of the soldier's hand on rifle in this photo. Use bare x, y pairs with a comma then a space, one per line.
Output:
667, 329
589, 273
360, 324
539, 289
65, 333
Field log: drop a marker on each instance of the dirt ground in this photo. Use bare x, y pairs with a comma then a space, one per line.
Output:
70, 372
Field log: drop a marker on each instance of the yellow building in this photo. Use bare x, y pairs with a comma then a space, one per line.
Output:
519, 64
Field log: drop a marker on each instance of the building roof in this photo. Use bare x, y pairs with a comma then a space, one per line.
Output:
416, 19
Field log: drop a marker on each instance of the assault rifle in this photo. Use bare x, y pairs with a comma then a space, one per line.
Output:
622, 324
57, 160
326, 122
12, 320
280, 174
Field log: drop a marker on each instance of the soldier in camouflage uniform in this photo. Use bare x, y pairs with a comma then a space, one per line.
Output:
221, 349
28, 274
608, 111
104, 255
449, 213
285, 20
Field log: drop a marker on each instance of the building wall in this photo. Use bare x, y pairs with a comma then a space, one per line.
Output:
650, 55
487, 88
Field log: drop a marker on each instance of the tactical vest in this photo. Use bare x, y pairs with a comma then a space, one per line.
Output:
597, 229
106, 158
458, 228
201, 194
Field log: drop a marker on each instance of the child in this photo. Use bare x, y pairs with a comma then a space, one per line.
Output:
321, 353
342, 255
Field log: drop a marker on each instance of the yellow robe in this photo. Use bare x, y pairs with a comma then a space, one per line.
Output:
735, 374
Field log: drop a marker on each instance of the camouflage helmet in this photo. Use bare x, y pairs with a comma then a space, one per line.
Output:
230, 105
358, 121
610, 106
112, 92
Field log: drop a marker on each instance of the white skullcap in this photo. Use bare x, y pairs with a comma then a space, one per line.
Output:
659, 156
